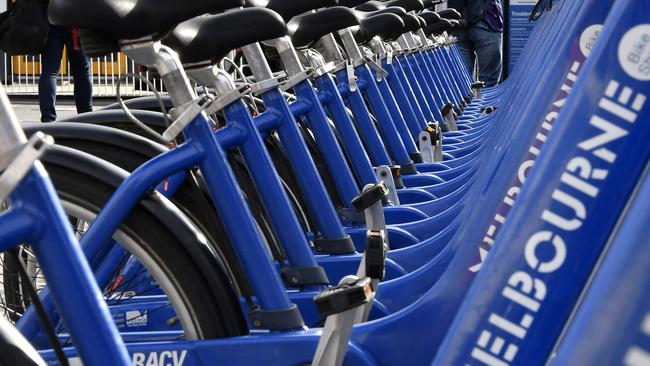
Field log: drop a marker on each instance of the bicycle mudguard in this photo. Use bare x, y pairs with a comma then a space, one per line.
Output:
147, 103
158, 206
90, 132
153, 119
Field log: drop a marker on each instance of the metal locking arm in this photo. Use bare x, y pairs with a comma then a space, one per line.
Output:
350, 302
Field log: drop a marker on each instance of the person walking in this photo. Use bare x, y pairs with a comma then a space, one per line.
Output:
51, 63
482, 40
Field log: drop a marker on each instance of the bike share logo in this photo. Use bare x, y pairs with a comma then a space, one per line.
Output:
637, 355
634, 52
136, 318
524, 292
589, 37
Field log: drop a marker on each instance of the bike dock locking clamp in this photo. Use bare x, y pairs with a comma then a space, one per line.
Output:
477, 87
430, 143
449, 116
373, 260
385, 175
370, 202
339, 304
350, 302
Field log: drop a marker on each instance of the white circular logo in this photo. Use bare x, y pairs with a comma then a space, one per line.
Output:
634, 52
589, 37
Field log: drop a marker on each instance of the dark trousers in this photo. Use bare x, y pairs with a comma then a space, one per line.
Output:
479, 42
51, 63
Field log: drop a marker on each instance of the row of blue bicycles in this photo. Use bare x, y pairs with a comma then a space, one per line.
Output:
324, 182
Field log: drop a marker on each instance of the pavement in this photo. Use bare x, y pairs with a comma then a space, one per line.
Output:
27, 108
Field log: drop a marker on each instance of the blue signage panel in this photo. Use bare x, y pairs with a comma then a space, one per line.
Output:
519, 28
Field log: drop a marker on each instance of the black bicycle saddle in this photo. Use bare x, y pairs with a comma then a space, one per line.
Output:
211, 37
308, 28
449, 14
131, 19
443, 25
388, 34
391, 10
411, 23
428, 4
290, 8
383, 25
430, 17
351, 3
408, 5
423, 22
455, 23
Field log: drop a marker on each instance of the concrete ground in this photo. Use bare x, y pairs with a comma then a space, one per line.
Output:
27, 109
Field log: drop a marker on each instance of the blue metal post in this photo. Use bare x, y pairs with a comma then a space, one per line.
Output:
398, 117
427, 108
391, 137
345, 183
364, 124
414, 120
331, 99
311, 185
268, 185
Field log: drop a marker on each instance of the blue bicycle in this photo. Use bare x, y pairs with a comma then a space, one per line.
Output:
329, 126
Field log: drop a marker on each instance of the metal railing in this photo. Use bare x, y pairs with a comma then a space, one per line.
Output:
20, 75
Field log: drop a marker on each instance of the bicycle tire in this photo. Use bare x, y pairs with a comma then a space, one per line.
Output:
205, 316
